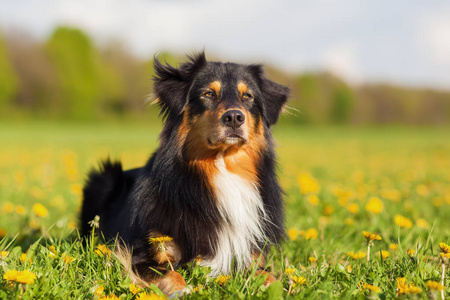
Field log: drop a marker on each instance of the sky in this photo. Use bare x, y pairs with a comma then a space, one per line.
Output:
405, 42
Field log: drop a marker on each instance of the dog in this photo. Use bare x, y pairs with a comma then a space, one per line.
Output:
210, 188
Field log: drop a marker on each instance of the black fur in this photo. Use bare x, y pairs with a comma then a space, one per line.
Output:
170, 196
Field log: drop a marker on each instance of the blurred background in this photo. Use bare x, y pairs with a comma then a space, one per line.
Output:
347, 62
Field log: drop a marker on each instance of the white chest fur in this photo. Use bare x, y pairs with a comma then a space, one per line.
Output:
242, 209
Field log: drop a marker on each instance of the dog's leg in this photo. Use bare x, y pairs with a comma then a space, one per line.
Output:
260, 260
148, 264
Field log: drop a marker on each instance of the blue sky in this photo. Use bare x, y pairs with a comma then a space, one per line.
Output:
406, 42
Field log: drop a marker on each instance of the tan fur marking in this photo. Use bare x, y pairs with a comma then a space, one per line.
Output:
170, 283
216, 86
259, 258
172, 252
242, 87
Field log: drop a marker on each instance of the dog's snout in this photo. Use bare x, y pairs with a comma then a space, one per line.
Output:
233, 118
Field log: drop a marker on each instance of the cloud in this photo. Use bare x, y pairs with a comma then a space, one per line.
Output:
342, 60
435, 34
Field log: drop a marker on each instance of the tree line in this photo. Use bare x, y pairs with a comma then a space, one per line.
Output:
68, 76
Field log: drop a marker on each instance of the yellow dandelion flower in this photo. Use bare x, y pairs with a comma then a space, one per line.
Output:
371, 236
67, 259
8, 207
298, 280
313, 200
134, 289
23, 257
342, 201
384, 254
292, 233
393, 247
422, 190
26, 277
102, 250
40, 210
161, 239
422, 224
311, 234
374, 205
196, 289
444, 247
359, 255
145, 296
349, 221
403, 222
402, 286
353, 208
434, 285
411, 252
76, 189
369, 287
20, 210
52, 249
414, 289
328, 210
99, 291
10, 275
445, 255
349, 268
312, 259
222, 279
308, 185
3, 254
290, 271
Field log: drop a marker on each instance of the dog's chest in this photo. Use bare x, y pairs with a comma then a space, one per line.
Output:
240, 231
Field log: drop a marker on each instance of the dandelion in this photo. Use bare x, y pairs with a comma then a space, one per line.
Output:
67, 259
328, 210
411, 253
95, 223
445, 248
145, 296
298, 280
308, 185
393, 247
40, 210
353, 208
403, 222
52, 250
402, 286
290, 271
222, 279
349, 268
369, 287
134, 289
415, 289
161, 247
24, 277
434, 285
23, 258
384, 254
370, 237
20, 210
374, 205
99, 291
3, 254
311, 234
422, 224
312, 259
292, 233
357, 255
349, 221
8, 207
313, 200
102, 250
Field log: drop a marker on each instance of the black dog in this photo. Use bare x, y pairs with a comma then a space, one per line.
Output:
211, 184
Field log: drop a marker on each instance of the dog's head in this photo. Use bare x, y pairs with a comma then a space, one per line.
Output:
218, 105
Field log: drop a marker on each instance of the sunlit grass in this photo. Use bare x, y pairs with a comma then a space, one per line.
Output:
392, 183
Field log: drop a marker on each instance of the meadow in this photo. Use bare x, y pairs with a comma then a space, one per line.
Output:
393, 183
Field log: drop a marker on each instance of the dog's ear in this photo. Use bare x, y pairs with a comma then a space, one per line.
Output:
172, 84
274, 95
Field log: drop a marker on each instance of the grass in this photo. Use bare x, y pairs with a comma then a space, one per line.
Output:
339, 182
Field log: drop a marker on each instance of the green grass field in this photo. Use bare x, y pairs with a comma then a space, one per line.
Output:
394, 182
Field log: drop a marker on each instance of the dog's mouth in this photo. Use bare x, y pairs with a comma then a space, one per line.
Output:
231, 139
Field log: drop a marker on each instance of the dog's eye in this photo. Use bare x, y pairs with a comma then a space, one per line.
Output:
247, 96
208, 94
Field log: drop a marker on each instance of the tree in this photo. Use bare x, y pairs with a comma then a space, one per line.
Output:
9, 82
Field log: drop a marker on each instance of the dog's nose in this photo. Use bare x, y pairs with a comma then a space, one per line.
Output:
233, 118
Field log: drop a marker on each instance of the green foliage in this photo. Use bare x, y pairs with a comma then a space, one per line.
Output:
77, 63
342, 105
8, 79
